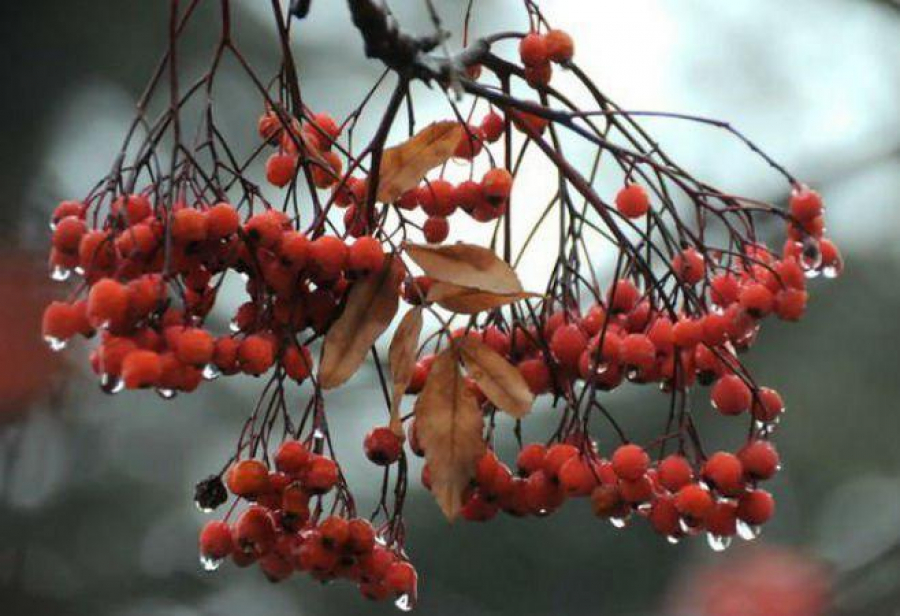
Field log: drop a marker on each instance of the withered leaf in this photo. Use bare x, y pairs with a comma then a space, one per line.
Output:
500, 381
449, 423
403, 166
465, 265
402, 359
371, 305
466, 300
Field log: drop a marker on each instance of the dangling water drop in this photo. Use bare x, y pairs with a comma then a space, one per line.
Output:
747, 532
831, 272
318, 436
211, 372
111, 384
166, 394
56, 344
718, 543
60, 273
233, 326
618, 522
406, 603
209, 563
673, 539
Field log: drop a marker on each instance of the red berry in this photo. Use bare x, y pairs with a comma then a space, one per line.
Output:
730, 395
281, 169
382, 446
533, 49
321, 475
194, 346
255, 531
694, 502
757, 300
256, 354
630, 462
689, 266
567, 344
756, 507
215, 540
248, 478
436, 229
536, 374
725, 473
493, 125
330, 254
496, 185
107, 302
675, 472
759, 459
637, 351
560, 46
141, 369
633, 201
401, 579
531, 458
576, 477
366, 255
806, 204
623, 296
189, 226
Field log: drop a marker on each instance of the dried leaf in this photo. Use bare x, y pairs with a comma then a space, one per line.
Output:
449, 423
404, 166
466, 300
466, 265
500, 381
371, 305
402, 358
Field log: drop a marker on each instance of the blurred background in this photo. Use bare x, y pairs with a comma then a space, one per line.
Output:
96, 511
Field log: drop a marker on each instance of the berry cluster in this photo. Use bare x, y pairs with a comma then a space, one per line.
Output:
151, 276
686, 300
282, 533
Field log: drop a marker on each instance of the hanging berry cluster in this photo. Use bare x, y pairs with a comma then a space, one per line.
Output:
690, 283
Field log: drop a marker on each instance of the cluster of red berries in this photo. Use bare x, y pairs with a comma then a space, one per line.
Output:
537, 51
151, 276
282, 533
721, 497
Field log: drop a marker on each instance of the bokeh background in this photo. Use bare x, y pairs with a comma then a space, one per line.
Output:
96, 512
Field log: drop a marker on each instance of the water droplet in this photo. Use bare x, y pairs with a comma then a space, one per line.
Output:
56, 344
209, 563
211, 372
747, 532
79, 270
318, 436
233, 326
60, 273
618, 522
166, 394
53, 225
406, 603
111, 384
718, 543
673, 539
831, 272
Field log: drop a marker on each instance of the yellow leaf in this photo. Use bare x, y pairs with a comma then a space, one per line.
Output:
466, 300
499, 380
402, 358
449, 423
371, 305
404, 166
465, 265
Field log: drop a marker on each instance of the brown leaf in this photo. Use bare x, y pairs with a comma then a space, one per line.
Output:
466, 300
500, 381
371, 305
449, 424
404, 166
402, 358
465, 265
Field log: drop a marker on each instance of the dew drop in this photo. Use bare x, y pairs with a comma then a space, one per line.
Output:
747, 532
111, 384
618, 522
233, 326
56, 344
211, 372
166, 394
831, 272
406, 603
60, 273
718, 543
318, 436
209, 563
673, 539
